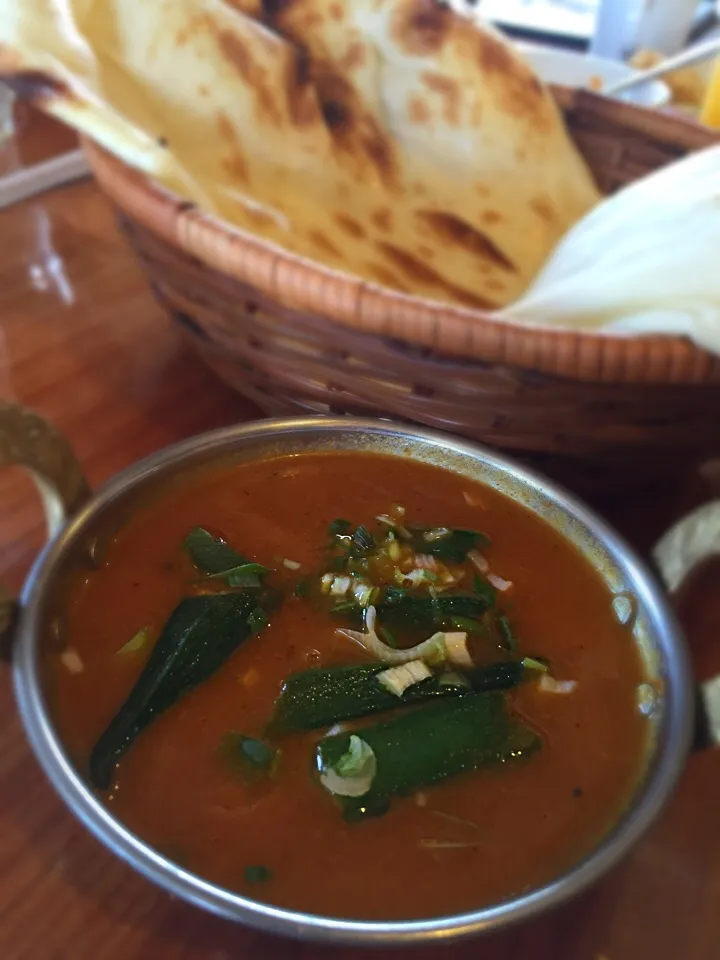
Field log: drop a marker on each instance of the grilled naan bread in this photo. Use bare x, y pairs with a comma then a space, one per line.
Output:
392, 139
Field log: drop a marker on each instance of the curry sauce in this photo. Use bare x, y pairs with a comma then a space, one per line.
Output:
471, 840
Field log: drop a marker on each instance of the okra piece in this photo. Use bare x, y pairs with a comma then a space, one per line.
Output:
418, 749
320, 697
198, 638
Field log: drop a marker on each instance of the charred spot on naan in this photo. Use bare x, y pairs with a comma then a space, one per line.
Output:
386, 277
323, 244
240, 56
300, 91
354, 58
272, 8
421, 273
418, 110
450, 93
352, 127
382, 219
453, 230
544, 209
421, 27
350, 226
236, 167
521, 92
491, 217
251, 8
235, 163
260, 218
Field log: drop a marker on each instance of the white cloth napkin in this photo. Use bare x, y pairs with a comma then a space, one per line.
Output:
644, 261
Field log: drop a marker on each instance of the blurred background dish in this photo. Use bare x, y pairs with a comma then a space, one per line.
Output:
571, 69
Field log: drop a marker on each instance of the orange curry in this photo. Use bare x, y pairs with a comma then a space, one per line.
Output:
457, 844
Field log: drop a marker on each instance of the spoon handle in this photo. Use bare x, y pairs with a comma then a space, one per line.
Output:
701, 51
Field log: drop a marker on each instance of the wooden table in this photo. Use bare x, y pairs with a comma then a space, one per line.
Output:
82, 342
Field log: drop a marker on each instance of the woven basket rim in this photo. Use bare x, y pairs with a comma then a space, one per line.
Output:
307, 286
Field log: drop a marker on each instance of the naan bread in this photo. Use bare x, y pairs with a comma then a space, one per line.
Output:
392, 139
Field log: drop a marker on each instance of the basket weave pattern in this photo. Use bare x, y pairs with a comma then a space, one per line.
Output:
295, 337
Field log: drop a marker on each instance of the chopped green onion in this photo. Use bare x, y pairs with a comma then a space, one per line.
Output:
257, 874
135, 643
398, 679
448, 844
457, 821
483, 590
456, 649
362, 541
302, 588
418, 576
352, 774
363, 593
248, 756
343, 606
454, 547
340, 586
388, 637
531, 663
509, 641
354, 760
549, 684
71, 660
454, 679
438, 534
339, 528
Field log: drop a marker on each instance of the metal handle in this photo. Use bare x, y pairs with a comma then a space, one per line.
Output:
28, 441
686, 545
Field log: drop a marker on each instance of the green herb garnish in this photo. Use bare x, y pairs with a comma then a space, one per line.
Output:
339, 528
257, 874
454, 547
211, 554
200, 635
485, 590
355, 760
344, 606
302, 588
362, 541
135, 643
534, 663
509, 641
220, 561
247, 756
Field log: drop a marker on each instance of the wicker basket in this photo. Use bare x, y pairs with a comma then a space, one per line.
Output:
293, 336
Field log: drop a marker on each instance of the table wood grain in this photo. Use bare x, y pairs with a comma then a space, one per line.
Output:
83, 343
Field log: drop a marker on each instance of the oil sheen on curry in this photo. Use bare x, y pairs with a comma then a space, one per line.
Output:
352, 685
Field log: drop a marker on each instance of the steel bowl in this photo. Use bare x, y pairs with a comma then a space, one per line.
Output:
653, 628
